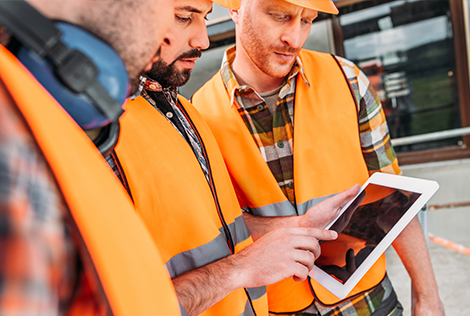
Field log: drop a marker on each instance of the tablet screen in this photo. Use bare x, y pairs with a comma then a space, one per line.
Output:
361, 228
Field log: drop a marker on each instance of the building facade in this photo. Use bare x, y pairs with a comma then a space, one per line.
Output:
415, 53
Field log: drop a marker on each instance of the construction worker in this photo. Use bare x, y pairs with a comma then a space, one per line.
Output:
268, 83
170, 164
71, 243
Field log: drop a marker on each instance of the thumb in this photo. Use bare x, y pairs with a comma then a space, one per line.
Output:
342, 197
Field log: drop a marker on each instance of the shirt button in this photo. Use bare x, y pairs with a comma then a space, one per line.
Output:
280, 144
169, 115
260, 107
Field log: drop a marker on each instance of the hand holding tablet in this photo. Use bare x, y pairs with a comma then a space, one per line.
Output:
367, 225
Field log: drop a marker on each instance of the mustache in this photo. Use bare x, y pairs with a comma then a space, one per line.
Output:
193, 53
286, 50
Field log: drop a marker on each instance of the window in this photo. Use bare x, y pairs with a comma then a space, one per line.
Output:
414, 52
408, 50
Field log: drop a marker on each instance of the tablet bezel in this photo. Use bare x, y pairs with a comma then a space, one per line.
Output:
424, 187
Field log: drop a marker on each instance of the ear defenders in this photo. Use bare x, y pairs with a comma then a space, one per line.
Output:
83, 73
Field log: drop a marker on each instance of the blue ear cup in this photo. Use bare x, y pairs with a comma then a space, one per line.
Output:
112, 75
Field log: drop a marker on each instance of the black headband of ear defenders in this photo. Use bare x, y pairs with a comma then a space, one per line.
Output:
73, 68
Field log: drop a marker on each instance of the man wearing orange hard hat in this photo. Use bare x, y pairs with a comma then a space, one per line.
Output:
170, 164
267, 83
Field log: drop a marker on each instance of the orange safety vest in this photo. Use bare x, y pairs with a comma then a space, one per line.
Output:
128, 265
327, 160
189, 222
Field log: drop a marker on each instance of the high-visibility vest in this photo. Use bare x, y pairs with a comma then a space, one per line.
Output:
191, 224
127, 262
327, 160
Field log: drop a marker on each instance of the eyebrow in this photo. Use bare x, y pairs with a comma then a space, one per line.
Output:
192, 9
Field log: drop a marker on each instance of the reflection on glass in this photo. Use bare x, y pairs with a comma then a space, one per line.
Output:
406, 49
362, 227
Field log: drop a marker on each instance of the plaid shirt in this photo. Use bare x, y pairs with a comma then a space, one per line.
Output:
43, 257
274, 132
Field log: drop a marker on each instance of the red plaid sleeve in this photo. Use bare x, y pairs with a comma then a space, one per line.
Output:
40, 262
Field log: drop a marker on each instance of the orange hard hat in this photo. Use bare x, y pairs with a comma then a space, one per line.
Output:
229, 4
326, 6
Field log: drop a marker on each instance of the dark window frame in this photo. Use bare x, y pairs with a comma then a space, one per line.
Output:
462, 73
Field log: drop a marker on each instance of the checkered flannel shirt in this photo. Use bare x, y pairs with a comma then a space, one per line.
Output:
274, 132
44, 267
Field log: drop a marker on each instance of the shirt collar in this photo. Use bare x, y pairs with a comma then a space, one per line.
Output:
152, 85
232, 85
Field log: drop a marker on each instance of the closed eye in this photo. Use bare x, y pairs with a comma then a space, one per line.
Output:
183, 19
280, 17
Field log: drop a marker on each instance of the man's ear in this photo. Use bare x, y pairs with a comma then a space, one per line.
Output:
235, 15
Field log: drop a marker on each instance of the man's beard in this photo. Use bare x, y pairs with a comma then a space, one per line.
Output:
167, 75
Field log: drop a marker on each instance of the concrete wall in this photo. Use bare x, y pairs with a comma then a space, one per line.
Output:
453, 177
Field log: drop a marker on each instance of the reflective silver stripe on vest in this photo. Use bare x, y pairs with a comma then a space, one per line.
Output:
284, 208
212, 251
256, 292
302, 208
198, 257
182, 311
248, 311
238, 230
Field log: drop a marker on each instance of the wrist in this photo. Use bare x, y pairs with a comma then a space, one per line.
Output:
236, 271
244, 267
426, 296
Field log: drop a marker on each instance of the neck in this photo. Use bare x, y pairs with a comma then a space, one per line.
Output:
248, 73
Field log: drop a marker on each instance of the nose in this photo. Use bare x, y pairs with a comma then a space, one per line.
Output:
167, 40
291, 35
169, 37
199, 38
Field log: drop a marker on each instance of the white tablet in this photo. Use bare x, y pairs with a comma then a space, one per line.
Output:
375, 217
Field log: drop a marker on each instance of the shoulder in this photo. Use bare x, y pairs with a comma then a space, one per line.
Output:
24, 167
349, 68
188, 107
213, 83
13, 128
182, 100
358, 80
307, 56
213, 89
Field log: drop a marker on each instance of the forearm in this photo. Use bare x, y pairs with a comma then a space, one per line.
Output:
412, 249
282, 253
199, 289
